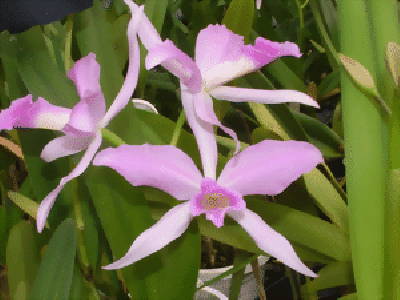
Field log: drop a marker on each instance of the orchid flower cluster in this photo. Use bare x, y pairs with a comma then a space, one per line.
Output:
220, 56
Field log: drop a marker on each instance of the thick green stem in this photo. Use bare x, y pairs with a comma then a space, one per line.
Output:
384, 19
365, 132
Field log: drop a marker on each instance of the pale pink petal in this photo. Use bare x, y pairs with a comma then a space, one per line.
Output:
177, 62
233, 94
64, 146
25, 113
203, 105
164, 167
270, 241
91, 109
167, 229
146, 31
222, 55
204, 133
132, 74
269, 167
258, 4
143, 104
47, 203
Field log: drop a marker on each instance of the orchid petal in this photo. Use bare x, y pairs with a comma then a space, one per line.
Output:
203, 105
269, 166
204, 133
64, 146
269, 240
90, 110
177, 62
132, 74
143, 104
25, 113
48, 202
220, 57
164, 167
233, 94
258, 4
146, 31
171, 226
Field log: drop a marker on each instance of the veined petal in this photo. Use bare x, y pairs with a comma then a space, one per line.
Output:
64, 146
177, 62
233, 94
48, 202
168, 228
203, 105
132, 74
143, 104
146, 31
269, 166
204, 133
91, 109
164, 167
269, 240
25, 113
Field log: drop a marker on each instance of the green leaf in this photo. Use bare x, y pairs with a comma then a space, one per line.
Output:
327, 198
46, 176
321, 136
239, 17
3, 234
23, 259
240, 258
119, 40
40, 75
333, 275
329, 84
303, 228
26, 204
16, 87
93, 34
182, 264
124, 214
54, 277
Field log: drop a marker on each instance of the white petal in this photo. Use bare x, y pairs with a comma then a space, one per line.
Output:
143, 104
233, 94
269, 240
204, 133
48, 202
168, 228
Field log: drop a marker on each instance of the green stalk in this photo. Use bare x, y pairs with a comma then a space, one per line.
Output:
384, 20
112, 137
365, 132
178, 128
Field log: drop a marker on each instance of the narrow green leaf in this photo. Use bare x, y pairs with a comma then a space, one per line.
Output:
333, 275
239, 17
26, 204
23, 259
321, 136
54, 276
303, 228
327, 198
237, 277
3, 234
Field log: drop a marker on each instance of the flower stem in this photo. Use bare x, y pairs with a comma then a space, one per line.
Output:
178, 128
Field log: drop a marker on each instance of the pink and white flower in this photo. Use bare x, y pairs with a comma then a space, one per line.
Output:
265, 168
220, 56
83, 123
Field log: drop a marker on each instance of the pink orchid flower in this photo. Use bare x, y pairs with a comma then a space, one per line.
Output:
265, 168
220, 56
83, 123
